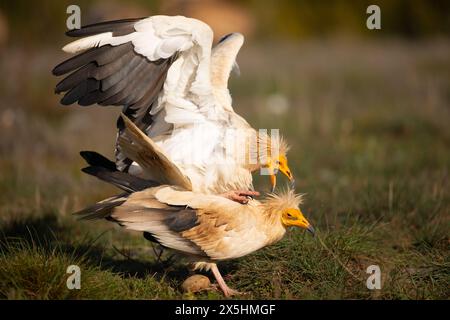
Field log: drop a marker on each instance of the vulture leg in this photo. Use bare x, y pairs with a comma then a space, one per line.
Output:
240, 196
227, 291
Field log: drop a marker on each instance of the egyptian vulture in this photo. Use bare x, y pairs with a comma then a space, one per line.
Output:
173, 85
204, 227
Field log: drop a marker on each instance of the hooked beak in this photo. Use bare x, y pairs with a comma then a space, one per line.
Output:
303, 223
311, 230
287, 173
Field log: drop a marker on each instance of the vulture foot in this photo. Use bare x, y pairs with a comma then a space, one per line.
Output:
240, 196
227, 291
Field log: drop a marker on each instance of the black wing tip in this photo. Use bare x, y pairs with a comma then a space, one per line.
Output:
87, 170
72, 32
58, 70
97, 160
66, 101
58, 88
93, 170
96, 28
55, 71
87, 155
148, 236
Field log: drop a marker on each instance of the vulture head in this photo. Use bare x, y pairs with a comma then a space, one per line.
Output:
273, 157
286, 205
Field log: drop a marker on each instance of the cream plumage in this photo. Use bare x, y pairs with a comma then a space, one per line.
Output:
174, 86
207, 228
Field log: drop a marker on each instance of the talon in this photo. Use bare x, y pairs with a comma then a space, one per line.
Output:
241, 196
231, 292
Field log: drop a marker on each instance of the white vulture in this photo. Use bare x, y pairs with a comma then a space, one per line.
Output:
204, 227
173, 85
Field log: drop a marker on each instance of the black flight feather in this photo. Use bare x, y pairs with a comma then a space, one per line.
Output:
106, 170
96, 159
118, 27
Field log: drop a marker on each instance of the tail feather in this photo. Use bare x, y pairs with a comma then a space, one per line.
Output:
105, 170
102, 209
119, 179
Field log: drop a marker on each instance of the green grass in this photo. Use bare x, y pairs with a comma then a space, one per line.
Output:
368, 124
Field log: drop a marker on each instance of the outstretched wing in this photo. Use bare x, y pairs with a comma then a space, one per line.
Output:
111, 69
148, 65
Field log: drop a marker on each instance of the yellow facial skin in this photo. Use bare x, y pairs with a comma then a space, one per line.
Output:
282, 165
294, 217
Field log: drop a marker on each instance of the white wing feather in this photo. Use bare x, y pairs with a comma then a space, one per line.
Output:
188, 106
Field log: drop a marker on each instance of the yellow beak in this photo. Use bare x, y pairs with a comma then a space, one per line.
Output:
303, 223
287, 172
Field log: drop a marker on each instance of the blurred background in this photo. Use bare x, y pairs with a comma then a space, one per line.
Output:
366, 111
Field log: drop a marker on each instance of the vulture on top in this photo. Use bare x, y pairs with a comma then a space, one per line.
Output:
173, 85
